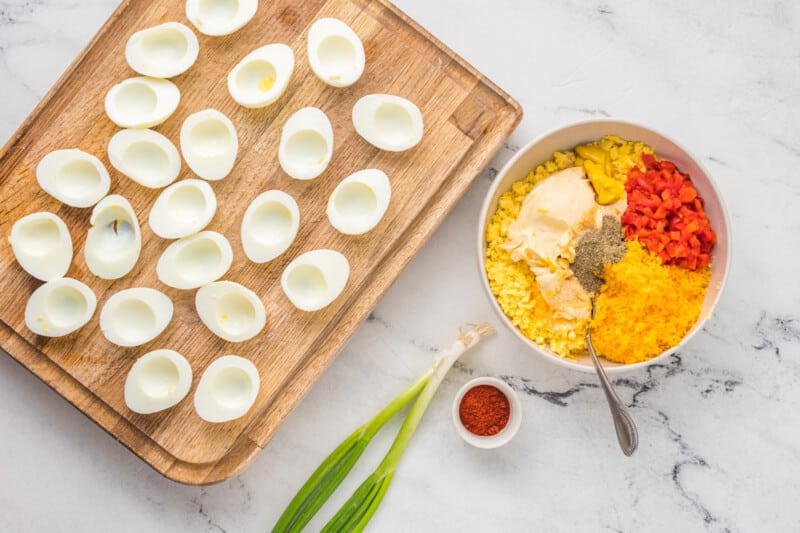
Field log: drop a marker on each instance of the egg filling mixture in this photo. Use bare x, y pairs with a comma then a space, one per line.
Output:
610, 220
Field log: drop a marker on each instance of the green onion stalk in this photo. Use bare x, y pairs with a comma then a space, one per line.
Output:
356, 513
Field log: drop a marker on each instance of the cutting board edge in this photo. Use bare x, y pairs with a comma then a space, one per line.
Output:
487, 82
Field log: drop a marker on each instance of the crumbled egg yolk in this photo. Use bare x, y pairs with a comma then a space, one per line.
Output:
223, 317
266, 83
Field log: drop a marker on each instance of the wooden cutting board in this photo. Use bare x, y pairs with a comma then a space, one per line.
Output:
467, 118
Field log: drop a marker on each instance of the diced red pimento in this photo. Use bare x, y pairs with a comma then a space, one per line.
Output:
666, 215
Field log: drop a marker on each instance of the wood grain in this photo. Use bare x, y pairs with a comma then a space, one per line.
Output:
466, 119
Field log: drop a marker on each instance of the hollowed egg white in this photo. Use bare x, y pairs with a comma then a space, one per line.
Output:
227, 389
220, 17
142, 102
359, 201
157, 381
388, 122
193, 261
315, 279
133, 317
270, 225
59, 307
42, 245
335, 52
145, 156
209, 144
73, 177
306, 144
183, 208
114, 241
261, 77
162, 51
230, 310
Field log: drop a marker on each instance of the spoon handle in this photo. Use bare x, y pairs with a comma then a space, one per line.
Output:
627, 435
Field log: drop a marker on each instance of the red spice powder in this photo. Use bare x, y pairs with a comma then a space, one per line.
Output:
484, 410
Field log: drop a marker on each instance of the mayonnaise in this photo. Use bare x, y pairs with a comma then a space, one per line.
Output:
554, 212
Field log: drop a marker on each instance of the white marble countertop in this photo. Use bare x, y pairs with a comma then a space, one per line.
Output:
718, 422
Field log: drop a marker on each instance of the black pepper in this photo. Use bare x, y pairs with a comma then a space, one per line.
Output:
595, 248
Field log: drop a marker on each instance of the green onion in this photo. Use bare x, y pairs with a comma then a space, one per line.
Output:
329, 475
358, 510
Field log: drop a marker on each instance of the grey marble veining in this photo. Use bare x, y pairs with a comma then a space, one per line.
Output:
720, 433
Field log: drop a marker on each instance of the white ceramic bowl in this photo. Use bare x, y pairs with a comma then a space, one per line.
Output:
567, 137
505, 434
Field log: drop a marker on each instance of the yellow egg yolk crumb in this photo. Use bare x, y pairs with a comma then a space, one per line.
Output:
266, 83
645, 307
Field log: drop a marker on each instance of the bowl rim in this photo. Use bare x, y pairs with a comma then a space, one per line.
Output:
481, 249
505, 434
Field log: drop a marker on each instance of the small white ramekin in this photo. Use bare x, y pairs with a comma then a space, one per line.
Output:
514, 419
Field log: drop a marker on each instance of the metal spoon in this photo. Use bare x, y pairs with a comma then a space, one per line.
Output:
627, 435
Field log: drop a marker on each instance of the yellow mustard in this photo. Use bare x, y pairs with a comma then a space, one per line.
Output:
597, 164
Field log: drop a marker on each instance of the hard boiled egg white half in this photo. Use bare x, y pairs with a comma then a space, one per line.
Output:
183, 208
73, 177
114, 241
306, 144
261, 77
359, 201
388, 122
145, 156
220, 17
162, 51
315, 279
157, 381
59, 307
227, 389
142, 102
209, 144
133, 317
231, 311
335, 52
193, 261
42, 245
270, 225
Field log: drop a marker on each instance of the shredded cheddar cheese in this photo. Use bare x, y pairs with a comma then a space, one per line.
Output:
645, 307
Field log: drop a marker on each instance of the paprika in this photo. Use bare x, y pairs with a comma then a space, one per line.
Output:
484, 410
